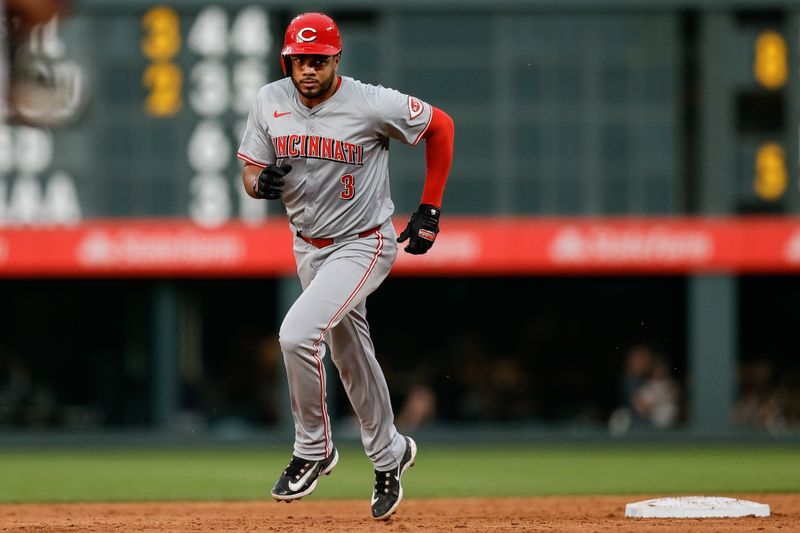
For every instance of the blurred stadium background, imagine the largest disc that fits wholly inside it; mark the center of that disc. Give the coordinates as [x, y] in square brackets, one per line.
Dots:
[620, 247]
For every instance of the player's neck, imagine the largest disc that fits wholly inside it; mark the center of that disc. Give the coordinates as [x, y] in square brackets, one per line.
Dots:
[312, 102]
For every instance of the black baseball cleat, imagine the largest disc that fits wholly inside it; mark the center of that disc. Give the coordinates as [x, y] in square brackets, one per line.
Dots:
[301, 476]
[388, 492]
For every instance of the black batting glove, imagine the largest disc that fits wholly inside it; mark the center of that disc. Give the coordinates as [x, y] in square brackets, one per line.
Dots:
[421, 229]
[269, 184]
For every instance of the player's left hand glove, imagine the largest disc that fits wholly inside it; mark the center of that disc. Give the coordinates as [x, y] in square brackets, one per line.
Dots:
[421, 229]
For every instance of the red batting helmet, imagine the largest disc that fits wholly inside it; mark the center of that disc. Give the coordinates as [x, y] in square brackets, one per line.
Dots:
[311, 33]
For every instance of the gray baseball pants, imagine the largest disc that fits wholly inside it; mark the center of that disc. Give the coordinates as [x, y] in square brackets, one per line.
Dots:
[336, 281]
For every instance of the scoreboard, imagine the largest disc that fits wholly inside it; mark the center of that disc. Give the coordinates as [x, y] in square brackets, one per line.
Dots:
[157, 99]
[763, 87]
[558, 111]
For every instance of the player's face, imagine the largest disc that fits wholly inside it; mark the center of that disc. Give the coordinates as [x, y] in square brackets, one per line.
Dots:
[313, 76]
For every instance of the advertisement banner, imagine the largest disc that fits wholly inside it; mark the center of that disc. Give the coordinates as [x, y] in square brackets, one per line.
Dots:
[466, 246]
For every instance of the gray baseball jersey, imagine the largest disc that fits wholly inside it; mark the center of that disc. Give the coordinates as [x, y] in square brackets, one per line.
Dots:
[337, 189]
[339, 183]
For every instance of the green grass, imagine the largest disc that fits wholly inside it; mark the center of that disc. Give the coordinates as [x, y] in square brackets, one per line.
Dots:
[247, 474]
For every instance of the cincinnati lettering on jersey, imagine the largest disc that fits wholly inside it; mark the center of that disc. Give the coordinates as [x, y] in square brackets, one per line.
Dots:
[316, 147]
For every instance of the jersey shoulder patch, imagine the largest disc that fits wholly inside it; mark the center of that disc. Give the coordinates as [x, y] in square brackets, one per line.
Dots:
[415, 108]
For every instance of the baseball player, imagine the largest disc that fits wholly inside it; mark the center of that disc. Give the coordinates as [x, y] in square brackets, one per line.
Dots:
[319, 142]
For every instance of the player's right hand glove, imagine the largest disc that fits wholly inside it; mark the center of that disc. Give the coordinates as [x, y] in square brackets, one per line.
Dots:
[269, 183]
[421, 229]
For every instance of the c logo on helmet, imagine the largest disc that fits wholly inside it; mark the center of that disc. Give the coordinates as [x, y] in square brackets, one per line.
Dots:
[304, 38]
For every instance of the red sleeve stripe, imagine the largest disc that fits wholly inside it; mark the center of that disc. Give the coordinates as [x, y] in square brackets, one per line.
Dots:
[422, 133]
[248, 160]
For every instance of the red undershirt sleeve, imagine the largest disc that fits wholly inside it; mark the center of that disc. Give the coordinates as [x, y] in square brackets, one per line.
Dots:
[438, 156]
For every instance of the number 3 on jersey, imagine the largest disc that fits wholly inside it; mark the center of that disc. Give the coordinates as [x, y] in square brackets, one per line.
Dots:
[348, 192]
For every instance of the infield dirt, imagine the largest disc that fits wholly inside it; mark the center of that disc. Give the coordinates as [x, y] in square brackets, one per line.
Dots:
[552, 514]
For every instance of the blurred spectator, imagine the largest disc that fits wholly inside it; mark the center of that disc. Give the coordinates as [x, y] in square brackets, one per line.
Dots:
[269, 374]
[23, 401]
[509, 390]
[638, 365]
[764, 401]
[243, 391]
[756, 405]
[657, 400]
[472, 378]
[789, 394]
[460, 380]
[484, 384]
[650, 395]
[418, 409]
[474, 384]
